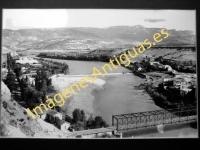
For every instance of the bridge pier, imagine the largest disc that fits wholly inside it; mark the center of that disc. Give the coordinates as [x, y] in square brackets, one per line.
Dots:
[119, 134]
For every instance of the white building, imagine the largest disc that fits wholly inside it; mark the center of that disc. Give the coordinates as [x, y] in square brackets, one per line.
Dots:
[51, 116]
[63, 125]
[154, 62]
[42, 115]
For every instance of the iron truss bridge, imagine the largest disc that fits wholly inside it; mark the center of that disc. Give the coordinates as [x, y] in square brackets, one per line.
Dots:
[153, 118]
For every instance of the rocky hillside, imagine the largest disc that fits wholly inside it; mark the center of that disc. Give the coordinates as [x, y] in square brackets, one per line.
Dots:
[88, 38]
[18, 123]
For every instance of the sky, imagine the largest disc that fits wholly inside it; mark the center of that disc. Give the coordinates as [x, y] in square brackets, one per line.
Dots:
[60, 18]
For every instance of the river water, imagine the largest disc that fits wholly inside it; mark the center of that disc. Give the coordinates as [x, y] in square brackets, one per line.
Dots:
[118, 95]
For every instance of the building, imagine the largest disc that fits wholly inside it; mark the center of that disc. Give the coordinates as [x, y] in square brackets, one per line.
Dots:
[14, 55]
[188, 80]
[42, 115]
[155, 62]
[140, 69]
[177, 82]
[62, 125]
[54, 118]
[183, 83]
[184, 86]
[184, 91]
[51, 116]
[167, 79]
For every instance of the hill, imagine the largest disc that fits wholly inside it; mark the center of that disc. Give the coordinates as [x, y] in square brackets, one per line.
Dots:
[89, 38]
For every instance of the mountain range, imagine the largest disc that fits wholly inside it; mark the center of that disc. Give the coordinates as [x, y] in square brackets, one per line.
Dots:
[89, 38]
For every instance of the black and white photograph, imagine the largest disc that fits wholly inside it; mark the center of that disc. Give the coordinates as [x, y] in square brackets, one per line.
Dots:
[98, 73]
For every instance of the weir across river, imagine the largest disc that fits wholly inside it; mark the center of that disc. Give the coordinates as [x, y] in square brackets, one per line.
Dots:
[141, 120]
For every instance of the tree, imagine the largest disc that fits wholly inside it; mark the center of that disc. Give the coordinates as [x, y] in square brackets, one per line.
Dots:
[32, 97]
[8, 61]
[18, 71]
[50, 87]
[58, 108]
[41, 81]
[83, 118]
[77, 116]
[10, 80]
[49, 82]
[80, 126]
[90, 122]
[43, 89]
[99, 122]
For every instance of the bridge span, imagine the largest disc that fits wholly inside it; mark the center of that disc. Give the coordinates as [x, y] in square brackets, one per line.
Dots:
[141, 120]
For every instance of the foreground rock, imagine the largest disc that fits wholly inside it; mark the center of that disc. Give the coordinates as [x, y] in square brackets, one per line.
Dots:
[18, 123]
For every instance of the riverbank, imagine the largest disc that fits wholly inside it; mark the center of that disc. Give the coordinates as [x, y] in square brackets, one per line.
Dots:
[83, 99]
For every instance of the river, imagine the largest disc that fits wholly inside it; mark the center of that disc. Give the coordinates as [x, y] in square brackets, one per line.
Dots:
[119, 95]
